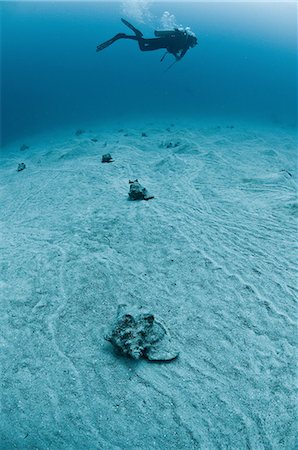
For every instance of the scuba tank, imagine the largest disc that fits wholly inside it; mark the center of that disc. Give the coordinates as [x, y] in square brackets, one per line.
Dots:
[164, 33]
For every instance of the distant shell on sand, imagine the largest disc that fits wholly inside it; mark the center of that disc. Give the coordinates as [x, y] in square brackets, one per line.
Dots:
[21, 166]
[137, 334]
[138, 192]
[24, 147]
[107, 158]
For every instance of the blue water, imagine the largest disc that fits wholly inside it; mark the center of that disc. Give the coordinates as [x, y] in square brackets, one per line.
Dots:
[244, 67]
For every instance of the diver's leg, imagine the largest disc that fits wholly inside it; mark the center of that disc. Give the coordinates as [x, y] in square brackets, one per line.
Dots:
[144, 44]
[110, 41]
[147, 45]
[129, 25]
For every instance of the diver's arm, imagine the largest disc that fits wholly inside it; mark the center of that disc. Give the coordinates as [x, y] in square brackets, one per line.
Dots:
[178, 57]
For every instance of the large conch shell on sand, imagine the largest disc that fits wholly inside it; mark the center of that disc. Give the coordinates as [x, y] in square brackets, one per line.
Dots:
[137, 333]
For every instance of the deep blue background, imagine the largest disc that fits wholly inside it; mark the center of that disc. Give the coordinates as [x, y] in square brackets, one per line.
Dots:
[245, 66]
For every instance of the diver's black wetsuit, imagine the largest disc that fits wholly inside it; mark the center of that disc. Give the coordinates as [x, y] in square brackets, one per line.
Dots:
[176, 42]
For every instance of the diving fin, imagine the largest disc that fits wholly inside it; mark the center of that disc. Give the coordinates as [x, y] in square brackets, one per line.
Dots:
[109, 42]
[129, 25]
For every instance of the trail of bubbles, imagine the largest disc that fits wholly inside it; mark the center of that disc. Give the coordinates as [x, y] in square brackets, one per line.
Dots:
[137, 10]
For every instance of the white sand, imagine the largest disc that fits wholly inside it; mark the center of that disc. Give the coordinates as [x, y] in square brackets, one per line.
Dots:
[213, 255]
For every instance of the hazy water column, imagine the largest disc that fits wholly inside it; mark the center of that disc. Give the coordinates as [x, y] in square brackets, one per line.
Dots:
[244, 66]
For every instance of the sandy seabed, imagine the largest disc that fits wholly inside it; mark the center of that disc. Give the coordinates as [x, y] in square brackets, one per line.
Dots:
[213, 255]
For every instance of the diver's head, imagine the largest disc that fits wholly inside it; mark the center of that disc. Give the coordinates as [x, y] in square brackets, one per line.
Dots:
[192, 38]
[193, 41]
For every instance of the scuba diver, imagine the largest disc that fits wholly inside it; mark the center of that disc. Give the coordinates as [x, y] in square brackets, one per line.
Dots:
[176, 42]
